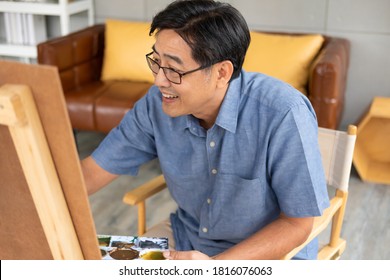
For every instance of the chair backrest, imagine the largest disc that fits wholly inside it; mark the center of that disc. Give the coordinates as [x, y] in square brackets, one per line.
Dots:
[337, 152]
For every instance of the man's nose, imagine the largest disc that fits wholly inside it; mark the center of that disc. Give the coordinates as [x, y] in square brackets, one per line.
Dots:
[160, 79]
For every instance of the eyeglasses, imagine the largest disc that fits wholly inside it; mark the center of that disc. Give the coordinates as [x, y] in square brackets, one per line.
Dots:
[172, 75]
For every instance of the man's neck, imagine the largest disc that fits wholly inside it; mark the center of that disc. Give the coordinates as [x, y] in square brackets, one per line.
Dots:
[206, 124]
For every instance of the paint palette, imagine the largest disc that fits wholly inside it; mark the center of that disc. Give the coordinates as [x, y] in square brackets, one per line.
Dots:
[132, 247]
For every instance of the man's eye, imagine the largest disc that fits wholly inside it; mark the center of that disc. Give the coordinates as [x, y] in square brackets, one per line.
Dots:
[172, 70]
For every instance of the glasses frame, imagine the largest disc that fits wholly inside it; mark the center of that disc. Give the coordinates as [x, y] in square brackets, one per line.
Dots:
[181, 75]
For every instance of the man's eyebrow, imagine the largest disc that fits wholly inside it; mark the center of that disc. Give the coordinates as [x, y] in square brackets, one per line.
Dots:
[174, 58]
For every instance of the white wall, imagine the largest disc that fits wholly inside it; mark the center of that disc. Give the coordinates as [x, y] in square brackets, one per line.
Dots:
[366, 23]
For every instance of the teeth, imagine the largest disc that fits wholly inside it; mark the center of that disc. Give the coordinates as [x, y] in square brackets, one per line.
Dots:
[169, 96]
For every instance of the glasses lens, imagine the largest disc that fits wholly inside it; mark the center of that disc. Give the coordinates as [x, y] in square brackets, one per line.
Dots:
[153, 65]
[172, 75]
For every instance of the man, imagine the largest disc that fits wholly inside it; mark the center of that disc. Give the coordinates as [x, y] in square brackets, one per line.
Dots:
[238, 150]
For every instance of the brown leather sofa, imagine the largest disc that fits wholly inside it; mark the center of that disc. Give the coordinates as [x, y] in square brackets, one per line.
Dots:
[100, 105]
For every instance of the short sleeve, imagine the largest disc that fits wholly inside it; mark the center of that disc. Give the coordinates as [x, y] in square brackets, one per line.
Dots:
[130, 144]
[295, 165]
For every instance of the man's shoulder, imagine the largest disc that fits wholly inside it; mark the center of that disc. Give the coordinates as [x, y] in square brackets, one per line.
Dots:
[270, 92]
[151, 101]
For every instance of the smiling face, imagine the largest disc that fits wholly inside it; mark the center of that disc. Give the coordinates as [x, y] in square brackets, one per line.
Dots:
[200, 93]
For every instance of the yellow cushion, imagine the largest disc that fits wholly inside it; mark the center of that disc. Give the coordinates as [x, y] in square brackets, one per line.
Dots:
[126, 44]
[286, 57]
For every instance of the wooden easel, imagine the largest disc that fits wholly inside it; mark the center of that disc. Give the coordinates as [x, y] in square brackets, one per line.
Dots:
[44, 208]
[18, 112]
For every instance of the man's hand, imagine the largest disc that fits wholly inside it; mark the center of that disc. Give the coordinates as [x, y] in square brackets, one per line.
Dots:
[185, 255]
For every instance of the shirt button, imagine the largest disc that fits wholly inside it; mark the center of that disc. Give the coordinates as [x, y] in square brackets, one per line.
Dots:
[214, 171]
[212, 144]
[204, 229]
[208, 201]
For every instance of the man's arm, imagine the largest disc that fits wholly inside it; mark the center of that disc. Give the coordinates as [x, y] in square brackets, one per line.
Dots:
[272, 242]
[95, 177]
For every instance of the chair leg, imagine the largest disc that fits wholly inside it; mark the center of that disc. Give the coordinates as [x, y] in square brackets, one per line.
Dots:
[141, 218]
[340, 250]
[338, 220]
[332, 252]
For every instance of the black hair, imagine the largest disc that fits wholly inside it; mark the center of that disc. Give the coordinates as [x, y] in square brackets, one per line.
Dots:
[214, 31]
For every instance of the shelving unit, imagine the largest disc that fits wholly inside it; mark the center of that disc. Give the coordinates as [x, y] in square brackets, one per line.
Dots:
[63, 9]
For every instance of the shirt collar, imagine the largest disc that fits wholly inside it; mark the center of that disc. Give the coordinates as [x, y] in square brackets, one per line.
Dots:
[228, 113]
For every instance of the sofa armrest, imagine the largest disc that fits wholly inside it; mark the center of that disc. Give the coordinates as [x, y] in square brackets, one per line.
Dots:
[78, 56]
[327, 81]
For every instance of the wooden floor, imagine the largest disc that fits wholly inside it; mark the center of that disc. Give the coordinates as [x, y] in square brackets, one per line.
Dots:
[366, 227]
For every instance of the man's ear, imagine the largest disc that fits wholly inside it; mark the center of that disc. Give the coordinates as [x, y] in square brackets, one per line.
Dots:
[225, 71]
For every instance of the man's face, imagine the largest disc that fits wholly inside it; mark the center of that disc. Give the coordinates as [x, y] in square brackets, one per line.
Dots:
[197, 93]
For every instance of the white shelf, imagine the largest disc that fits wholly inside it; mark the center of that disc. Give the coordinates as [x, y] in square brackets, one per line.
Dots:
[63, 9]
[18, 50]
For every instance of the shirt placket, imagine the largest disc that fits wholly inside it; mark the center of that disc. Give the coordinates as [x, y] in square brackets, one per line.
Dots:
[212, 148]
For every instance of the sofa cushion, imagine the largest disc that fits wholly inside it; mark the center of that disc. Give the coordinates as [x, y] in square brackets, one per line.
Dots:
[126, 44]
[116, 99]
[81, 104]
[286, 57]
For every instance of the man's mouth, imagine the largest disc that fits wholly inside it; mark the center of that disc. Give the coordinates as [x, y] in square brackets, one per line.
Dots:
[169, 96]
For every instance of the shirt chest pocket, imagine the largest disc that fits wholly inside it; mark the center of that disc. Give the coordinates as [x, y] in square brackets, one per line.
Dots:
[239, 207]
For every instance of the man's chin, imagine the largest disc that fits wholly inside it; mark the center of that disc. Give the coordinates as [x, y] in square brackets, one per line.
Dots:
[171, 113]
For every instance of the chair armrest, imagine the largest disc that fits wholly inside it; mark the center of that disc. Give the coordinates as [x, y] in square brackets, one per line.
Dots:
[320, 223]
[145, 191]
[327, 81]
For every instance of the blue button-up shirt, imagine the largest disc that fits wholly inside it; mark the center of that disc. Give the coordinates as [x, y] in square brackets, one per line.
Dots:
[260, 158]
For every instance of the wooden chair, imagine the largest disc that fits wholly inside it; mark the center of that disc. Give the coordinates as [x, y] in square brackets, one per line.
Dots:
[337, 151]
